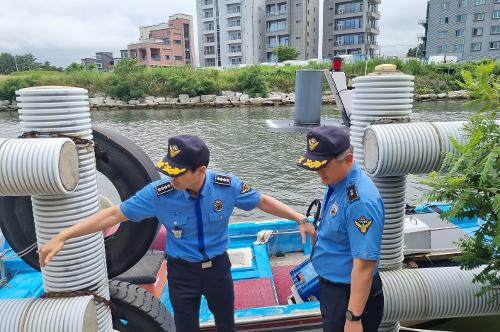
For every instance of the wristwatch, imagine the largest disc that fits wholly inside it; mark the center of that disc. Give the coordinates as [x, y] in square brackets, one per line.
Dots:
[352, 317]
[303, 221]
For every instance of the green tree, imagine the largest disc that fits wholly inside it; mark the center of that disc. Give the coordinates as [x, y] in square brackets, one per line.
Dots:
[27, 62]
[7, 63]
[285, 53]
[470, 179]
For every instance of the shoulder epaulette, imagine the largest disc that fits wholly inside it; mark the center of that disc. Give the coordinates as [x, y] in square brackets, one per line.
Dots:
[164, 188]
[223, 180]
[352, 193]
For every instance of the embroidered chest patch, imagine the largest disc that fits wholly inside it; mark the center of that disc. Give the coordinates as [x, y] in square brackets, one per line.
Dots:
[218, 205]
[223, 180]
[363, 224]
[164, 188]
[334, 209]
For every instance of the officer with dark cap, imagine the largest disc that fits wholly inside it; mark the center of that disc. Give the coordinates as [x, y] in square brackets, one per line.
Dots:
[347, 247]
[194, 204]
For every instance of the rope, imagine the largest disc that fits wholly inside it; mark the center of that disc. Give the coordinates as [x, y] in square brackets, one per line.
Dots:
[77, 140]
[97, 297]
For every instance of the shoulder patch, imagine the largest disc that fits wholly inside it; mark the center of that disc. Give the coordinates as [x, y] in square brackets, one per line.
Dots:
[164, 188]
[363, 224]
[245, 188]
[223, 180]
[352, 193]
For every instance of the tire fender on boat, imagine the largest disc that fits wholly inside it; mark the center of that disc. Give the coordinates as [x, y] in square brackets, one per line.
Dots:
[138, 310]
[129, 169]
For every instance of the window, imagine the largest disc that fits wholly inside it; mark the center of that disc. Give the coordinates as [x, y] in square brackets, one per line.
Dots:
[477, 32]
[443, 20]
[495, 29]
[461, 18]
[236, 61]
[480, 2]
[495, 45]
[233, 9]
[458, 48]
[495, 14]
[275, 26]
[460, 3]
[208, 13]
[208, 2]
[479, 17]
[234, 48]
[210, 38]
[496, 1]
[442, 34]
[177, 42]
[178, 58]
[208, 26]
[234, 35]
[210, 62]
[209, 50]
[475, 47]
[459, 32]
[440, 49]
[233, 22]
[445, 5]
[167, 57]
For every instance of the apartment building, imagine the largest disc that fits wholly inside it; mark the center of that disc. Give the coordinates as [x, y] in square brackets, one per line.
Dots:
[102, 60]
[467, 29]
[293, 23]
[165, 44]
[230, 32]
[350, 27]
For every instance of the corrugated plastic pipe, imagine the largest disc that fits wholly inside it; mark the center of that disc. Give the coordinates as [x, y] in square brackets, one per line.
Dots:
[76, 314]
[38, 166]
[435, 293]
[81, 264]
[384, 96]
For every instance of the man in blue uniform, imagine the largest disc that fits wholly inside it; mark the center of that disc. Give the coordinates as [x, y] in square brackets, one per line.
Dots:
[194, 204]
[347, 247]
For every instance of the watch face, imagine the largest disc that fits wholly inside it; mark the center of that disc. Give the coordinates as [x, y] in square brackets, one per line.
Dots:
[350, 316]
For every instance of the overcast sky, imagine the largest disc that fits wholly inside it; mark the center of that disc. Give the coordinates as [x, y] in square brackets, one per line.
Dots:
[64, 31]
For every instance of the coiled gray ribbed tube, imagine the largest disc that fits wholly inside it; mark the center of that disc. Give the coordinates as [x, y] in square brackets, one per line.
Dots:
[381, 97]
[46, 166]
[81, 264]
[434, 293]
[76, 314]
[401, 149]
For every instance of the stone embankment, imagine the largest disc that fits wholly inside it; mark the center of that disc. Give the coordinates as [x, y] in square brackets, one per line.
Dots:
[227, 99]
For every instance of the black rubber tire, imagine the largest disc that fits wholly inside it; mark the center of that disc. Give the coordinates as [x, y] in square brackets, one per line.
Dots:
[139, 308]
[129, 169]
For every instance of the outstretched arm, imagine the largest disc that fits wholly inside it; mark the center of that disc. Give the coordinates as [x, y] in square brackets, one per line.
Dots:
[94, 223]
[273, 206]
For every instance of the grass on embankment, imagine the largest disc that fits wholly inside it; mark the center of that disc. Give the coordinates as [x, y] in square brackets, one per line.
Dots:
[130, 80]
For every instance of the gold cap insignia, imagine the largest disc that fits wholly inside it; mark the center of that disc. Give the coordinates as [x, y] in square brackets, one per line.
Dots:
[313, 143]
[173, 150]
[165, 167]
[245, 188]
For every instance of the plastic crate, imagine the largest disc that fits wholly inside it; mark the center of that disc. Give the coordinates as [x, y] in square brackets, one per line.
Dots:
[306, 281]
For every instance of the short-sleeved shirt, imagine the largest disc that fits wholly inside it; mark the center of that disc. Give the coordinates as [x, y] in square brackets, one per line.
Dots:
[181, 213]
[351, 226]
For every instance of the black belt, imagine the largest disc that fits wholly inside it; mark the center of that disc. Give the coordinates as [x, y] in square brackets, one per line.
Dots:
[336, 284]
[200, 265]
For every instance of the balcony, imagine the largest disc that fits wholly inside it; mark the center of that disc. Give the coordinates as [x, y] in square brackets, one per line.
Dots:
[374, 14]
[423, 22]
[276, 13]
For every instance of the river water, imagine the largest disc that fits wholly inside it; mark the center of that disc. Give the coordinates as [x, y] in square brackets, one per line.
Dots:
[240, 143]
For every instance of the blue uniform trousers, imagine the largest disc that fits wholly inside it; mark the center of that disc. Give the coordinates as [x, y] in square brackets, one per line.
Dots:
[335, 299]
[187, 281]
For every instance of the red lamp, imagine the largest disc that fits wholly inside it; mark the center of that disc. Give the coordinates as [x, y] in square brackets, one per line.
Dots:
[336, 64]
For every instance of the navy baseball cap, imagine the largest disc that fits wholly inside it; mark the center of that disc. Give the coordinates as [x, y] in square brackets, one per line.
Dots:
[185, 152]
[324, 144]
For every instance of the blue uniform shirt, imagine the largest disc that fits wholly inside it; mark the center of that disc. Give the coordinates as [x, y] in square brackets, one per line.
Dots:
[181, 214]
[351, 226]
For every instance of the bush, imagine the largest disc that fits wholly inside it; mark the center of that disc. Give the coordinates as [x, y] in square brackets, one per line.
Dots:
[250, 80]
[8, 87]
